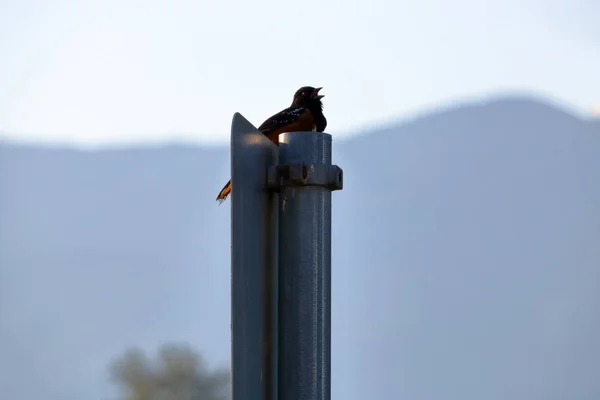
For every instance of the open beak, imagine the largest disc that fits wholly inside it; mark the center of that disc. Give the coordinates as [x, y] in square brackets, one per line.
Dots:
[316, 93]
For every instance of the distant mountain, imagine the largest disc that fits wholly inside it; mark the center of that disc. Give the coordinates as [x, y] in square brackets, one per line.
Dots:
[466, 259]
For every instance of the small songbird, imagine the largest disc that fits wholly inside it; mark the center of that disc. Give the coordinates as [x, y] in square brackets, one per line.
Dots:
[305, 114]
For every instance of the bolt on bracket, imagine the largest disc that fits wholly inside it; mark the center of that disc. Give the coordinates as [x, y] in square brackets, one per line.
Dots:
[305, 174]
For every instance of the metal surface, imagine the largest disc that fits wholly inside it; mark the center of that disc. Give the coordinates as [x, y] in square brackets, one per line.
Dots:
[304, 274]
[253, 264]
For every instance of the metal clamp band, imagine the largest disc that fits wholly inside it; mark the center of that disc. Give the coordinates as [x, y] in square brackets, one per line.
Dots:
[305, 174]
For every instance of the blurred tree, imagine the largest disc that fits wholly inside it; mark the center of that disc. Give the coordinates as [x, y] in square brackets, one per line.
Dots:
[178, 373]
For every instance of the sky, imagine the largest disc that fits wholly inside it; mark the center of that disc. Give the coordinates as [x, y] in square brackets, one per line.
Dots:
[119, 71]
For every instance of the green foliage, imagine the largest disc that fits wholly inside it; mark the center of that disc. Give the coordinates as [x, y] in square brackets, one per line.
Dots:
[177, 373]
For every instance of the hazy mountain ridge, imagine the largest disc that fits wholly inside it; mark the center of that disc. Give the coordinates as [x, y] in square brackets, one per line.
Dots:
[465, 254]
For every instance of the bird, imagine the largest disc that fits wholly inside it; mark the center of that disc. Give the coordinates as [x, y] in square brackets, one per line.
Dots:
[304, 114]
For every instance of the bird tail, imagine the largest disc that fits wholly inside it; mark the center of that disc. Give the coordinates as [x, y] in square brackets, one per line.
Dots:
[224, 192]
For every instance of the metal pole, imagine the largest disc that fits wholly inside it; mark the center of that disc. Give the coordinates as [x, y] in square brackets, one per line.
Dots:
[253, 264]
[305, 178]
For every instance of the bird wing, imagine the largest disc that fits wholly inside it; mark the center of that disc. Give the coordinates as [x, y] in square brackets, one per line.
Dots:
[286, 118]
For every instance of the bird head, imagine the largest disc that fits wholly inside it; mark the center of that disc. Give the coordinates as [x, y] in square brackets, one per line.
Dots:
[307, 93]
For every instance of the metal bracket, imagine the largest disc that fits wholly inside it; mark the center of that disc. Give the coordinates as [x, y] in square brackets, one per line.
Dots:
[305, 174]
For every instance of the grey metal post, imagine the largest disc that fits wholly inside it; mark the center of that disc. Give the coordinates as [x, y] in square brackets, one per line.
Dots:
[305, 178]
[253, 264]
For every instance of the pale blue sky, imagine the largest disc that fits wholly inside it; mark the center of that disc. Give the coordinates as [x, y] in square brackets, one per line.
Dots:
[126, 70]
